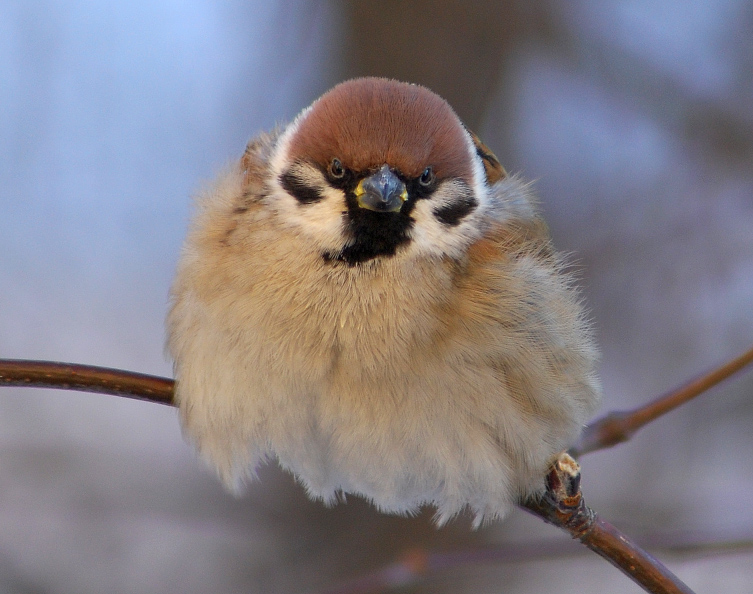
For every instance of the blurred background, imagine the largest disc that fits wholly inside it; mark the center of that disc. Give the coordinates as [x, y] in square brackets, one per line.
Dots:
[634, 117]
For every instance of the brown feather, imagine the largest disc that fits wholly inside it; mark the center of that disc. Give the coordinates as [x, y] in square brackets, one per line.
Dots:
[398, 123]
[492, 167]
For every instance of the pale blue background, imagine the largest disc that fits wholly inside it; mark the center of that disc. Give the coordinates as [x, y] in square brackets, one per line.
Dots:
[111, 115]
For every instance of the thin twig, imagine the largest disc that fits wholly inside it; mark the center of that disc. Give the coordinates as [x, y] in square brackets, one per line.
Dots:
[86, 378]
[614, 428]
[563, 506]
[619, 426]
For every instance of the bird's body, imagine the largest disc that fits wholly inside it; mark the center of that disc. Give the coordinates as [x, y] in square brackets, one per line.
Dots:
[402, 332]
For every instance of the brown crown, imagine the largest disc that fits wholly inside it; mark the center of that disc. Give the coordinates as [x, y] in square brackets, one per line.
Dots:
[367, 122]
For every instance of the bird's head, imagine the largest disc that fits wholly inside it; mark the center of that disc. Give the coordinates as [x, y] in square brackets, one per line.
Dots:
[376, 167]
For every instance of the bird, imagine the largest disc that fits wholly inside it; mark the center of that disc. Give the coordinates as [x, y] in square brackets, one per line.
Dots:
[367, 298]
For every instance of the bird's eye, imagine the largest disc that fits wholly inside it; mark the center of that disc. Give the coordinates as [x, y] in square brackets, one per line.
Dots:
[336, 169]
[427, 177]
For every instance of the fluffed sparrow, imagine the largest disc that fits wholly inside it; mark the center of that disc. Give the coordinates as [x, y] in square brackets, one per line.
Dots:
[367, 297]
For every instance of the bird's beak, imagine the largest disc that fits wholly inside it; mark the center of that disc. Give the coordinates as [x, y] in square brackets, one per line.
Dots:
[381, 192]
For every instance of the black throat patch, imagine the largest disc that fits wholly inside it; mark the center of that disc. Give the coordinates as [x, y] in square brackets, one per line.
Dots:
[372, 234]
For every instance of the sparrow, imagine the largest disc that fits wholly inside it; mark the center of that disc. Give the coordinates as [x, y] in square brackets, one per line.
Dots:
[367, 297]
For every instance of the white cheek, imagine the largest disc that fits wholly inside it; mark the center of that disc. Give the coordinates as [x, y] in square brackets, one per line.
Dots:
[431, 237]
[322, 222]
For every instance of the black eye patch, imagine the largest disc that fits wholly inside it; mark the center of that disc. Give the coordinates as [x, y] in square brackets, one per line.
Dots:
[463, 205]
[299, 189]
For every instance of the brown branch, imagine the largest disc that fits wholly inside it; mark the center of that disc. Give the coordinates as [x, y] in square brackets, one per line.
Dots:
[614, 428]
[86, 378]
[619, 426]
[563, 506]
